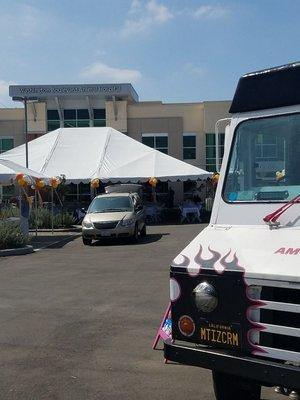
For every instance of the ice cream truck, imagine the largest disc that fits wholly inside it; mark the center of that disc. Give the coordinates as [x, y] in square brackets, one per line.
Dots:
[235, 289]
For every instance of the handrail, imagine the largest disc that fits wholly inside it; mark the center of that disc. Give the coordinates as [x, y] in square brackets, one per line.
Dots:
[217, 141]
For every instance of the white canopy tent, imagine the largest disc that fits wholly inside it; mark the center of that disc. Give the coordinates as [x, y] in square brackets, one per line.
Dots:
[9, 170]
[82, 154]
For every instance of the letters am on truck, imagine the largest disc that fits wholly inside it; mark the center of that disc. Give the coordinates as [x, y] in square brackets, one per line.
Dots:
[235, 289]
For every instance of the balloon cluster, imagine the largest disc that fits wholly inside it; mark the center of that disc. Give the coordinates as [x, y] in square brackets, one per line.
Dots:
[152, 181]
[95, 183]
[38, 184]
[215, 177]
[22, 180]
[280, 175]
[54, 182]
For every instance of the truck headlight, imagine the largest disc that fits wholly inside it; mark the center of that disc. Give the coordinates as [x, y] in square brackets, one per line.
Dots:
[206, 297]
[87, 224]
[128, 222]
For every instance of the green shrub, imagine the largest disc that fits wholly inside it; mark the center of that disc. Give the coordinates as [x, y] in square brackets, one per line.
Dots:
[11, 236]
[42, 219]
[10, 211]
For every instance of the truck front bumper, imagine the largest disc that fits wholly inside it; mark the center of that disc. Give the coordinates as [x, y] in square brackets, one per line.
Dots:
[268, 373]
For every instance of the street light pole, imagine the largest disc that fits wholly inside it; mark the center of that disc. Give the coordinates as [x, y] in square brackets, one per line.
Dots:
[26, 131]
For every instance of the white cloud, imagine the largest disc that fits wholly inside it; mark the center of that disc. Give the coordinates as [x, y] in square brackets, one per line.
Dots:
[106, 74]
[209, 12]
[30, 20]
[5, 100]
[135, 6]
[143, 16]
[159, 12]
[22, 22]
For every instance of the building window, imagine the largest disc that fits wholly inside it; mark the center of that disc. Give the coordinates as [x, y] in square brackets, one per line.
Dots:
[76, 118]
[158, 141]
[266, 147]
[83, 118]
[99, 116]
[53, 121]
[189, 146]
[211, 150]
[6, 144]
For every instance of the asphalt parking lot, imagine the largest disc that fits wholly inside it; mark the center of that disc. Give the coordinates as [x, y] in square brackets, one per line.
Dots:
[78, 322]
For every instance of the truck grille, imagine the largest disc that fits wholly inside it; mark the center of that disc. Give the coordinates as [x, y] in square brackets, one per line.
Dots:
[106, 225]
[277, 314]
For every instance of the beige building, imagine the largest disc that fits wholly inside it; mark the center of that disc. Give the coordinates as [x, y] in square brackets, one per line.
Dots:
[11, 128]
[182, 130]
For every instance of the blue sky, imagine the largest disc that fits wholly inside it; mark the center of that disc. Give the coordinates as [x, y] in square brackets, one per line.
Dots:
[170, 50]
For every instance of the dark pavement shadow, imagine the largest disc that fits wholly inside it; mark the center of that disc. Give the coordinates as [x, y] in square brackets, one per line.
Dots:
[150, 238]
[51, 241]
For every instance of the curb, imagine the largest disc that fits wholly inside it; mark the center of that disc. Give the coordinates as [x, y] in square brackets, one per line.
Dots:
[17, 252]
[72, 229]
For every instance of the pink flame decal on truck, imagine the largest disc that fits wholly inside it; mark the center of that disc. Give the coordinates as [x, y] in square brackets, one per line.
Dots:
[207, 263]
[233, 266]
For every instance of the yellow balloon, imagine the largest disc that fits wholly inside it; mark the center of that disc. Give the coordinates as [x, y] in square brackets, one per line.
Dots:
[22, 182]
[40, 184]
[152, 181]
[54, 182]
[95, 183]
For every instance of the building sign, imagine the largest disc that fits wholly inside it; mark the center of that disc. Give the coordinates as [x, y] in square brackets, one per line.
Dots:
[45, 91]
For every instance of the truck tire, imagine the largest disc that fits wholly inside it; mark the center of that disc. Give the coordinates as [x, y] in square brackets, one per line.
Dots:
[86, 241]
[135, 236]
[144, 231]
[229, 387]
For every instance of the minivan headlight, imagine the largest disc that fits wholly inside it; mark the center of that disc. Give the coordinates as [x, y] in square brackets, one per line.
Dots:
[206, 297]
[128, 222]
[87, 224]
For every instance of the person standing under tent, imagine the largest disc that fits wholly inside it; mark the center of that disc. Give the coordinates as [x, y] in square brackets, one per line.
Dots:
[171, 195]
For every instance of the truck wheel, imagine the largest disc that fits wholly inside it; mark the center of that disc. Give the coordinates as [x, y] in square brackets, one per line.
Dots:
[135, 236]
[229, 387]
[86, 241]
[144, 231]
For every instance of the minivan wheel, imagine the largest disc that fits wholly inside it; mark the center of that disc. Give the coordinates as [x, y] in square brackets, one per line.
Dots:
[135, 236]
[228, 387]
[144, 231]
[86, 241]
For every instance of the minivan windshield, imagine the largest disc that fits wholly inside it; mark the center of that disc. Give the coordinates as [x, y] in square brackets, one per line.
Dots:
[264, 161]
[111, 204]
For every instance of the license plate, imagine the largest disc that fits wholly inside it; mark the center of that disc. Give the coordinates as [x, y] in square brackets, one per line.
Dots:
[220, 335]
[105, 234]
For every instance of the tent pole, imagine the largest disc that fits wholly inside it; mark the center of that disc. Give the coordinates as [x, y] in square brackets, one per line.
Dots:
[52, 209]
[20, 202]
[60, 202]
[77, 194]
[36, 210]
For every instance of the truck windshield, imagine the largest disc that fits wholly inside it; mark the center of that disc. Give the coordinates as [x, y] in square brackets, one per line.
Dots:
[265, 160]
[111, 204]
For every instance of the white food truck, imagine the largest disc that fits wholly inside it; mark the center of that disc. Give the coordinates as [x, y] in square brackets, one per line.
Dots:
[235, 289]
